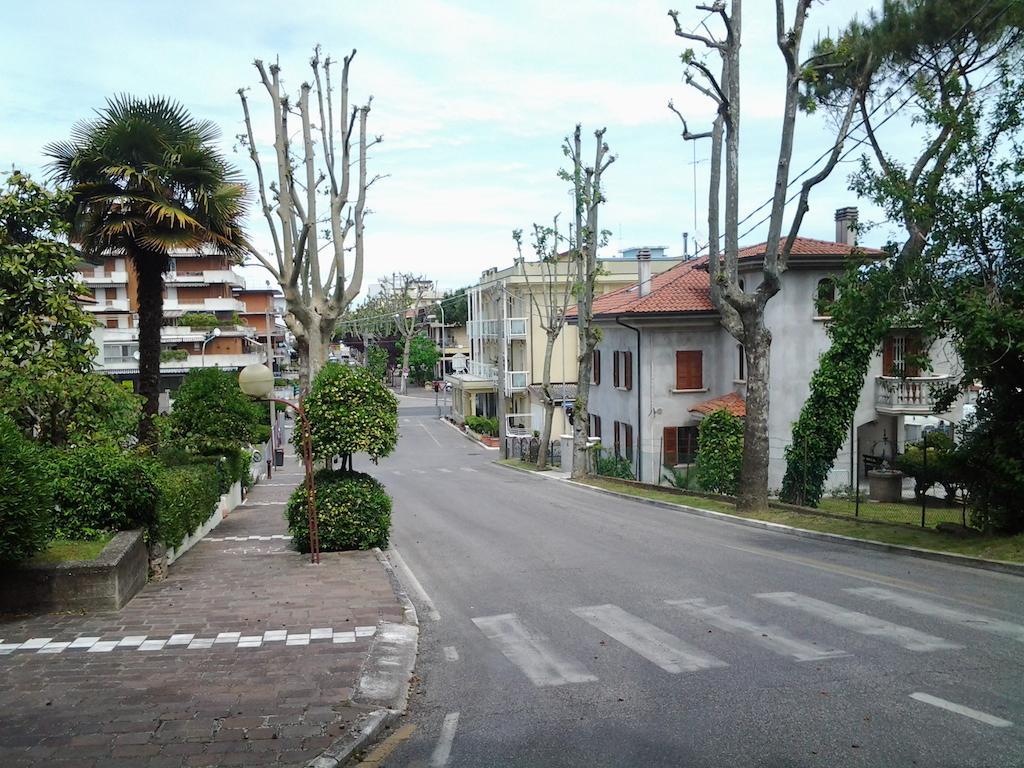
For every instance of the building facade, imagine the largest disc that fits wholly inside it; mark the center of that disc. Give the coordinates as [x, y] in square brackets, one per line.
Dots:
[664, 361]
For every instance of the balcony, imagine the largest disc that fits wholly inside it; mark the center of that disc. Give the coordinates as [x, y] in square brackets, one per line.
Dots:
[108, 305]
[110, 278]
[206, 305]
[119, 363]
[516, 381]
[516, 327]
[205, 277]
[482, 370]
[483, 329]
[911, 395]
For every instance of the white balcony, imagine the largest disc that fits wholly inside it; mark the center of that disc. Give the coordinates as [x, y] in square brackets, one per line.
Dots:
[482, 370]
[107, 305]
[516, 381]
[116, 363]
[205, 277]
[206, 305]
[911, 395]
[516, 327]
[483, 329]
[110, 278]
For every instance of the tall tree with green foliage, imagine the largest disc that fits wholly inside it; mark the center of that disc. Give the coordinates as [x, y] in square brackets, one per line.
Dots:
[423, 357]
[931, 55]
[146, 179]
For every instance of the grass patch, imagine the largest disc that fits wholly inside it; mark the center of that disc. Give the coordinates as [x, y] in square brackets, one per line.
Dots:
[893, 512]
[1008, 548]
[522, 465]
[60, 550]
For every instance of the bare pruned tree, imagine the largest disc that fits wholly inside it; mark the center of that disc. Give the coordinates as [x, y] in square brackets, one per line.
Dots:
[314, 202]
[588, 194]
[742, 314]
[550, 293]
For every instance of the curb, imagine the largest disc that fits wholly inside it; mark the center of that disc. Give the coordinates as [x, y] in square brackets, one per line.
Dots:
[384, 680]
[472, 440]
[997, 566]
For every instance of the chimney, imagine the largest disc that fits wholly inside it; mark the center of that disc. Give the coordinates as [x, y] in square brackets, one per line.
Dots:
[643, 270]
[846, 225]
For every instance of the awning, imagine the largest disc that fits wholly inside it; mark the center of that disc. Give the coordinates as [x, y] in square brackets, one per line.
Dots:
[731, 402]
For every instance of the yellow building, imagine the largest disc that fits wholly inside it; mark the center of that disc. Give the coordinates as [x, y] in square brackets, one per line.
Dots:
[506, 341]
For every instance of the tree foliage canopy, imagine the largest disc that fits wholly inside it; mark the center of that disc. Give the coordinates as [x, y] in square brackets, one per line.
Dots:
[351, 411]
[209, 406]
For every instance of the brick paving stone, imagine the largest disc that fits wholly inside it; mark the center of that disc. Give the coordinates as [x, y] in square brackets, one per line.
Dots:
[275, 704]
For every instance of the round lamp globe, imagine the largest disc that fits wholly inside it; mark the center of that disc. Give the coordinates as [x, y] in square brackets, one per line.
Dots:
[256, 380]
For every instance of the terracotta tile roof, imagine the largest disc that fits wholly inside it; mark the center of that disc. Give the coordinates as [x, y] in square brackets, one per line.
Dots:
[731, 402]
[685, 288]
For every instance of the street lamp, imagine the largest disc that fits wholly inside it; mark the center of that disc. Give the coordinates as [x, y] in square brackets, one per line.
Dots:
[444, 343]
[257, 380]
[213, 335]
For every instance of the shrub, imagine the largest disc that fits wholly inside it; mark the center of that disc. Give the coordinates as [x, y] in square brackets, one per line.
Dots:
[229, 462]
[24, 497]
[209, 406]
[350, 411]
[483, 425]
[173, 355]
[720, 452]
[353, 512]
[941, 466]
[377, 361]
[188, 496]
[610, 465]
[199, 320]
[684, 479]
[98, 489]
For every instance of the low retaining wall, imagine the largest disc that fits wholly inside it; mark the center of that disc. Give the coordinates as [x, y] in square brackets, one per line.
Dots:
[106, 583]
[227, 503]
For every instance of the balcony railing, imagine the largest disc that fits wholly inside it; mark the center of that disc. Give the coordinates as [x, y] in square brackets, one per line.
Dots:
[108, 305]
[109, 278]
[516, 381]
[205, 277]
[483, 370]
[515, 328]
[911, 395]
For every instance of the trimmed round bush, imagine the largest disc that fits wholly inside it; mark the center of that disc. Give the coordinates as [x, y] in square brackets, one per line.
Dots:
[98, 490]
[351, 411]
[24, 497]
[353, 512]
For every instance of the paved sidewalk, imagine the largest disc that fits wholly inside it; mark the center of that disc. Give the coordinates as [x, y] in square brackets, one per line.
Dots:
[245, 655]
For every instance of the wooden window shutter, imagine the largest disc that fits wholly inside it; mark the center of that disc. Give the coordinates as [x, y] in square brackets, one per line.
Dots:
[689, 369]
[628, 365]
[629, 441]
[887, 356]
[668, 438]
[618, 443]
[615, 368]
[911, 352]
[597, 427]
[595, 375]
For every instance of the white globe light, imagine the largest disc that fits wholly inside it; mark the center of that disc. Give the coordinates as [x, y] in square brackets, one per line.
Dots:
[256, 380]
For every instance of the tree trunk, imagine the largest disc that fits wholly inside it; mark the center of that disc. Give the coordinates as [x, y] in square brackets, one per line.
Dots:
[549, 403]
[149, 268]
[405, 363]
[753, 486]
[580, 428]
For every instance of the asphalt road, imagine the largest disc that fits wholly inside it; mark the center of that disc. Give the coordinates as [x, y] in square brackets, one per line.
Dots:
[563, 627]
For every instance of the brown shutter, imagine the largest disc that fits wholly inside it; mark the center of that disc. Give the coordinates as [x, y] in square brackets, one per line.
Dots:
[629, 441]
[911, 351]
[617, 443]
[615, 369]
[887, 356]
[595, 376]
[680, 370]
[597, 427]
[689, 370]
[668, 439]
[628, 356]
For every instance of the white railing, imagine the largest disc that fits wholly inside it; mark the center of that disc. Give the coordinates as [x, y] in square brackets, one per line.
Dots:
[512, 419]
[516, 381]
[105, 279]
[205, 277]
[108, 305]
[515, 327]
[217, 304]
[914, 394]
[483, 329]
[483, 370]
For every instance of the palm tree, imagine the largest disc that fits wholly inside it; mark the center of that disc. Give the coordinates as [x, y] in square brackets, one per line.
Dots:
[147, 180]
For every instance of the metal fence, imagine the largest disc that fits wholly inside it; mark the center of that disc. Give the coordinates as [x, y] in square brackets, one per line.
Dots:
[528, 449]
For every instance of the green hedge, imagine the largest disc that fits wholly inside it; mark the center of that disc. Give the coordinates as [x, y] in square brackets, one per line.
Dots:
[98, 489]
[719, 452]
[353, 512]
[483, 425]
[188, 497]
[24, 497]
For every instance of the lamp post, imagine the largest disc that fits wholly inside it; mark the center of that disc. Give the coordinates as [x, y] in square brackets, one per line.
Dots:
[270, 364]
[213, 335]
[257, 380]
[444, 344]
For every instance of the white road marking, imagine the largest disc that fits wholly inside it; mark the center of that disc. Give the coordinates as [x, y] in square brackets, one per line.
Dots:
[939, 611]
[397, 472]
[414, 584]
[450, 653]
[431, 434]
[443, 750]
[960, 709]
[468, 469]
[653, 643]
[531, 652]
[419, 472]
[769, 636]
[862, 623]
[443, 469]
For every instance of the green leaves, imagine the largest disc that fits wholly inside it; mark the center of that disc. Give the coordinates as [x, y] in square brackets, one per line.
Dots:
[209, 406]
[719, 452]
[353, 512]
[423, 356]
[351, 411]
[24, 497]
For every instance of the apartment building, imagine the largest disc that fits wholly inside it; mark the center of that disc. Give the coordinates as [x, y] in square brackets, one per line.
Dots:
[203, 317]
[506, 341]
[664, 361]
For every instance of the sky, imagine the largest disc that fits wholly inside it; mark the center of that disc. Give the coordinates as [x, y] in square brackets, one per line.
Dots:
[473, 101]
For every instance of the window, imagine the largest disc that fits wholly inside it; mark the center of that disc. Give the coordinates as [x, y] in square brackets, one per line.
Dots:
[624, 440]
[825, 297]
[680, 445]
[741, 363]
[622, 370]
[595, 370]
[689, 369]
[595, 426]
[899, 353]
[111, 322]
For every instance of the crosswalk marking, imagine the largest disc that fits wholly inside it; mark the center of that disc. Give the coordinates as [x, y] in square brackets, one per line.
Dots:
[862, 623]
[443, 469]
[468, 469]
[937, 611]
[396, 472]
[531, 652]
[769, 636]
[960, 709]
[419, 472]
[653, 643]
